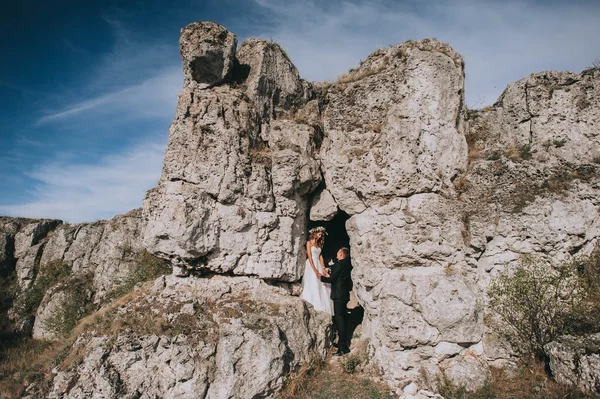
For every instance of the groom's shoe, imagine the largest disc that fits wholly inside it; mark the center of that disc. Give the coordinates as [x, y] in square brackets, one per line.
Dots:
[341, 352]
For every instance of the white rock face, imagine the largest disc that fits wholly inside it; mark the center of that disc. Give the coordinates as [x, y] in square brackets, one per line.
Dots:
[575, 361]
[226, 338]
[100, 256]
[208, 53]
[394, 141]
[323, 206]
[395, 129]
[233, 195]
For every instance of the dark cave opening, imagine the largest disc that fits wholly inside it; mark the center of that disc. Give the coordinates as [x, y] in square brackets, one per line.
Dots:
[336, 238]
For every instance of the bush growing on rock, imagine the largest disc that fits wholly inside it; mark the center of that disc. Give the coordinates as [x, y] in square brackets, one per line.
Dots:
[51, 274]
[145, 267]
[74, 302]
[538, 301]
[8, 288]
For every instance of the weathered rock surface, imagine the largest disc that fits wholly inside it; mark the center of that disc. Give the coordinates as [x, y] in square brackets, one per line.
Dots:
[273, 82]
[323, 206]
[396, 127]
[233, 196]
[208, 53]
[62, 258]
[575, 361]
[532, 182]
[221, 337]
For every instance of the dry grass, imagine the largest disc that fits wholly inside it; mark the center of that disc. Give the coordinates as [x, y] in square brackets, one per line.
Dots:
[261, 154]
[529, 382]
[18, 357]
[561, 181]
[461, 184]
[475, 140]
[323, 380]
[24, 360]
[354, 76]
[513, 153]
[475, 152]
[375, 127]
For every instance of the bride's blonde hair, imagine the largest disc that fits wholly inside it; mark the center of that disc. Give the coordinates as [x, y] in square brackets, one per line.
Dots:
[313, 234]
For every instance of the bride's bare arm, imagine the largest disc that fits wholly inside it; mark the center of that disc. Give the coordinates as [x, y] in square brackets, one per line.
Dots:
[310, 259]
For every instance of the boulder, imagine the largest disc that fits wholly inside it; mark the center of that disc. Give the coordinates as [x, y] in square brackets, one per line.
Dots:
[323, 206]
[221, 337]
[208, 53]
[468, 372]
[575, 361]
[234, 192]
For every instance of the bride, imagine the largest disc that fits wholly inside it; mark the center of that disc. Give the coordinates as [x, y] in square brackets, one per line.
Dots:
[313, 290]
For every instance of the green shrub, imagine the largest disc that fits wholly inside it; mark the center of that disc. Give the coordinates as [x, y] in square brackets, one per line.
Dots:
[145, 267]
[51, 274]
[559, 143]
[8, 290]
[539, 301]
[525, 152]
[78, 305]
[494, 156]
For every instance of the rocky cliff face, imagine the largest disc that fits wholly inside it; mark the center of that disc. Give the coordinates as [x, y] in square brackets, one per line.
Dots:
[194, 338]
[233, 196]
[246, 155]
[440, 199]
[532, 182]
[51, 258]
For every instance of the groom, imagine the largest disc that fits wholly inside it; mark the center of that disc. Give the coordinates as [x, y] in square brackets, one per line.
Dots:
[341, 285]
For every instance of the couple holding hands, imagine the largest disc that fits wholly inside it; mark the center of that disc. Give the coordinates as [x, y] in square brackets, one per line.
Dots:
[328, 292]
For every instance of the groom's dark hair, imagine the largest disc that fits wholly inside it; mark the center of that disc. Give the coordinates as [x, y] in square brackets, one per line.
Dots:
[345, 251]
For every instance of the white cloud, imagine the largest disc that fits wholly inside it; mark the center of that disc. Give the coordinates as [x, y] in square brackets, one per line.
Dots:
[501, 41]
[84, 192]
[154, 97]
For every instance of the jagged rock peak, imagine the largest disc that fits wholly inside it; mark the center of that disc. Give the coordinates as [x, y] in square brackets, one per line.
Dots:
[273, 80]
[208, 53]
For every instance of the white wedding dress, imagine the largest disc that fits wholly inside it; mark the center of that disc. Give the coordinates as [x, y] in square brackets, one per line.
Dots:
[314, 291]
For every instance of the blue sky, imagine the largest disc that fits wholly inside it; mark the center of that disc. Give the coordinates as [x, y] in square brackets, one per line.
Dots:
[88, 88]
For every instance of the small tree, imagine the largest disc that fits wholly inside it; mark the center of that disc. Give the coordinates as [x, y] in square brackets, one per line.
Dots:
[538, 301]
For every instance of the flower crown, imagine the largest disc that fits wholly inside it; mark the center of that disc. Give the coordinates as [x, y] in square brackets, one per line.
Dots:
[319, 229]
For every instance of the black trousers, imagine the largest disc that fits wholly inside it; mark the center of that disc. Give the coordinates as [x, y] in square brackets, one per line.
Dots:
[339, 319]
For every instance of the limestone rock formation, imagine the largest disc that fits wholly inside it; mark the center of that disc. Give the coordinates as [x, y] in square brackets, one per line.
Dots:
[440, 200]
[65, 270]
[233, 195]
[532, 182]
[244, 159]
[221, 337]
[575, 361]
[208, 53]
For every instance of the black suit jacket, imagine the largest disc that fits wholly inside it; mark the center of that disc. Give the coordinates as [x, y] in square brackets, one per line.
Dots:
[340, 279]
